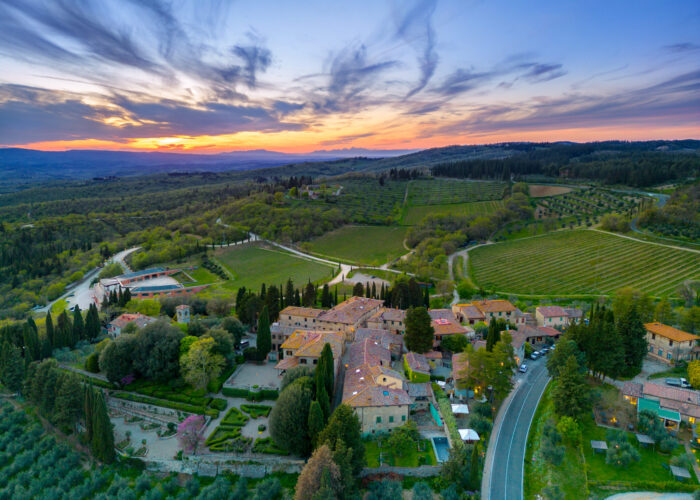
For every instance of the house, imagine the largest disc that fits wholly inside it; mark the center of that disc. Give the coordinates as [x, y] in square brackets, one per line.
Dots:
[669, 344]
[349, 315]
[417, 367]
[304, 347]
[553, 316]
[299, 317]
[498, 309]
[447, 314]
[115, 327]
[420, 394]
[573, 315]
[386, 339]
[684, 402]
[279, 334]
[389, 319]
[468, 313]
[518, 342]
[445, 327]
[537, 335]
[374, 391]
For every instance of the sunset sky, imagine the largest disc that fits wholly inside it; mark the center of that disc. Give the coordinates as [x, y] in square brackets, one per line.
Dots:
[288, 76]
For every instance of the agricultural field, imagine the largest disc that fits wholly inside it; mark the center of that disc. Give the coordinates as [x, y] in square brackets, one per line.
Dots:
[542, 190]
[370, 245]
[414, 214]
[586, 203]
[581, 262]
[444, 191]
[253, 265]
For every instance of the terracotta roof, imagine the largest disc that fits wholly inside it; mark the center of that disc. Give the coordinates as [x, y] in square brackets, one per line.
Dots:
[373, 395]
[420, 390]
[442, 314]
[447, 327]
[351, 311]
[383, 337]
[417, 362]
[573, 312]
[287, 363]
[672, 393]
[469, 311]
[182, 306]
[632, 389]
[310, 343]
[669, 332]
[519, 339]
[141, 320]
[491, 306]
[389, 314]
[551, 311]
[305, 312]
[367, 351]
[538, 331]
[433, 355]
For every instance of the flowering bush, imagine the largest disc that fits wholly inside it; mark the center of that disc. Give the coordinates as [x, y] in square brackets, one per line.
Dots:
[189, 433]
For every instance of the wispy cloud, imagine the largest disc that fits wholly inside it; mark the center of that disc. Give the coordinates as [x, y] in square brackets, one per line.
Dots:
[414, 25]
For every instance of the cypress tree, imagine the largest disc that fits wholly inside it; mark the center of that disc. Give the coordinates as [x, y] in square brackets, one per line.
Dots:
[264, 342]
[326, 363]
[474, 467]
[325, 296]
[31, 342]
[50, 335]
[103, 436]
[289, 293]
[88, 409]
[426, 297]
[335, 300]
[78, 325]
[316, 421]
[323, 401]
[11, 367]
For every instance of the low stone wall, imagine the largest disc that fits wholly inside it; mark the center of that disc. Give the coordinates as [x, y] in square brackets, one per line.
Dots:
[209, 468]
[422, 471]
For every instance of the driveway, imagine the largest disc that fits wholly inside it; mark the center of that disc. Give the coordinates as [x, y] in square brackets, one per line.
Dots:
[505, 458]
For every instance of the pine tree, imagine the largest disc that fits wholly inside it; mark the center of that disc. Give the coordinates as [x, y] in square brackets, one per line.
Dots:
[358, 290]
[103, 436]
[474, 469]
[264, 342]
[92, 323]
[374, 290]
[78, 325]
[297, 298]
[50, 335]
[419, 332]
[633, 339]
[310, 295]
[63, 331]
[316, 421]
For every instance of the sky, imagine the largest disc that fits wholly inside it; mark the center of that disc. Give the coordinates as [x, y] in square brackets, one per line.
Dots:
[224, 75]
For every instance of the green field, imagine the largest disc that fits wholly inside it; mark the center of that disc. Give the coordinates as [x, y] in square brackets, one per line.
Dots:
[370, 245]
[253, 265]
[581, 262]
[414, 214]
[444, 191]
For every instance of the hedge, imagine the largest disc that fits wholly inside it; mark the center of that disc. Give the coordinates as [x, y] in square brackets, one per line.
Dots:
[447, 415]
[235, 417]
[268, 446]
[165, 403]
[218, 404]
[256, 411]
[666, 487]
[265, 394]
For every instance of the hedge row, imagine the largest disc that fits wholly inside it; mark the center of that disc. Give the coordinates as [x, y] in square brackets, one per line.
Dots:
[264, 394]
[190, 397]
[226, 438]
[447, 415]
[666, 487]
[215, 385]
[234, 417]
[268, 446]
[201, 410]
[256, 411]
[218, 404]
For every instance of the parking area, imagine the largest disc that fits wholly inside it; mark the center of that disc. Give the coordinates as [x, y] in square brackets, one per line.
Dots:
[251, 374]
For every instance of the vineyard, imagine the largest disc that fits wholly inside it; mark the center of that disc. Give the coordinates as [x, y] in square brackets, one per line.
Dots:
[586, 203]
[442, 191]
[413, 215]
[581, 262]
[370, 245]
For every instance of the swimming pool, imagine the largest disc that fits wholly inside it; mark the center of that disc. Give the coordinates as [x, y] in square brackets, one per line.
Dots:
[441, 448]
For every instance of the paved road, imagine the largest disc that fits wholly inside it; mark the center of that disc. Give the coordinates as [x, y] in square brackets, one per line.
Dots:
[505, 459]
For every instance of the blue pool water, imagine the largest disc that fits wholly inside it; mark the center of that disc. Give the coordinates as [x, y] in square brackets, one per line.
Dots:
[441, 448]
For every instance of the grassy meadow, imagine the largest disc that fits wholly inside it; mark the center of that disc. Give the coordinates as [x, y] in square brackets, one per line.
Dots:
[370, 245]
[581, 262]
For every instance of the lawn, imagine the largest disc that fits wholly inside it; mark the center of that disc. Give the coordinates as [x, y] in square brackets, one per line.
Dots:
[59, 306]
[253, 265]
[581, 262]
[416, 213]
[200, 275]
[414, 458]
[370, 245]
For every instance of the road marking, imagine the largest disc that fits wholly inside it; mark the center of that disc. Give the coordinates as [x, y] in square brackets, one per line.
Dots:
[522, 473]
[510, 447]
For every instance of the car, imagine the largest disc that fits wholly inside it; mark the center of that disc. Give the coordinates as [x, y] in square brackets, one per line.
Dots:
[678, 382]
[522, 368]
[552, 347]
[535, 355]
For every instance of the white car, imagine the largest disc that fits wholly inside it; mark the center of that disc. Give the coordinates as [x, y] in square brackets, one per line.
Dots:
[523, 368]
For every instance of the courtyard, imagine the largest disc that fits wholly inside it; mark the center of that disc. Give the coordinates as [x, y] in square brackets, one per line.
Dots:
[251, 375]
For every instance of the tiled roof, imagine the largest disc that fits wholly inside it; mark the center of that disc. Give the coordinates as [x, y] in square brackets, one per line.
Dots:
[420, 390]
[538, 331]
[389, 314]
[367, 351]
[373, 395]
[311, 343]
[383, 337]
[307, 312]
[669, 332]
[155, 288]
[491, 306]
[433, 355]
[442, 314]
[632, 389]
[141, 320]
[351, 311]
[287, 363]
[447, 327]
[470, 311]
[519, 339]
[671, 393]
[551, 311]
[417, 362]
[573, 312]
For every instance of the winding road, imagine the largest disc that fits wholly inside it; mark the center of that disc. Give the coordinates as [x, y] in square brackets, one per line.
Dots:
[505, 458]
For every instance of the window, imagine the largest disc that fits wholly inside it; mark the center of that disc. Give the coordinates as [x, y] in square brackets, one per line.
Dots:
[379, 420]
[403, 418]
[668, 356]
[391, 419]
[651, 348]
[661, 352]
[302, 361]
[315, 361]
[653, 336]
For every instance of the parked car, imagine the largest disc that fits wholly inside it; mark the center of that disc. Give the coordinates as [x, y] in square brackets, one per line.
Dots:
[535, 355]
[678, 382]
[523, 368]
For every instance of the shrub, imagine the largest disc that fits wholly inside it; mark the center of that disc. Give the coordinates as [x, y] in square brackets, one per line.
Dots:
[256, 411]
[235, 417]
[92, 363]
[218, 404]
[268, 446]
[694, 374]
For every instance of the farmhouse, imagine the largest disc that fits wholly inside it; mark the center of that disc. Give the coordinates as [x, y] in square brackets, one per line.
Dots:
[669, 344]
[553, 316]
[279, 334]
[468, 313]
[388, 319]
[374, 391]
[304, 347]
[114, 328]
[499, 309]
